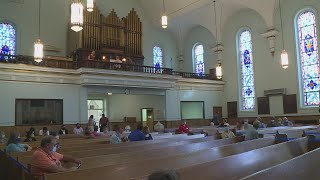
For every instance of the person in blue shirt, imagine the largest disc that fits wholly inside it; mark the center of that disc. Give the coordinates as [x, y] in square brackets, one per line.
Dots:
[14, 145]
[146, 133]
[137, 135]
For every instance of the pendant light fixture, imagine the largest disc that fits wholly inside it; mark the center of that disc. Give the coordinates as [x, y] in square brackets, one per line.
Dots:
[219, 65]
[164, 18]
[38, 46]
[284, 54]
[90, 5]
[76, 15]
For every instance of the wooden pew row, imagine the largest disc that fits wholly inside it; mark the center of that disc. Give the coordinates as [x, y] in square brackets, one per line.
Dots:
[115, 150]
[302, 167]
[246, 163]
[99, 161]
[143, 168]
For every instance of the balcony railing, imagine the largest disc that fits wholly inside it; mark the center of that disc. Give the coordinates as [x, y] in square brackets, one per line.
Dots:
[68, 64]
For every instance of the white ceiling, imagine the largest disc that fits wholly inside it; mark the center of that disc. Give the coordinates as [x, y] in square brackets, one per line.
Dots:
[190, 13]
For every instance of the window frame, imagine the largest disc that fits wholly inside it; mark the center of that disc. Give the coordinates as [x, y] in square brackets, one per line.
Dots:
[13, 24]
[298, 57]
[194, 66]
[239, 71]
[162, 57]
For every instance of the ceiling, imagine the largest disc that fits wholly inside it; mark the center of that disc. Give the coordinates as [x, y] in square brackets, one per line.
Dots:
[186, 14]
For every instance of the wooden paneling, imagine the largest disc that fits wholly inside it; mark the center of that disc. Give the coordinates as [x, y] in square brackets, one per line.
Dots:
[263, 105]
[232, 109]
[289, 104]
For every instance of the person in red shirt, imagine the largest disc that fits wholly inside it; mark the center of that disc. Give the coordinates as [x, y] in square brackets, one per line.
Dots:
[104, 122]
[46, 160]
[184, 128]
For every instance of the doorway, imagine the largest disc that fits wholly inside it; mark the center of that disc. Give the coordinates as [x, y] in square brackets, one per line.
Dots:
[147, 117]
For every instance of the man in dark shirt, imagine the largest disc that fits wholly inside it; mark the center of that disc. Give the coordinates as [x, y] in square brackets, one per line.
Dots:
[137, 135]
[103, 123]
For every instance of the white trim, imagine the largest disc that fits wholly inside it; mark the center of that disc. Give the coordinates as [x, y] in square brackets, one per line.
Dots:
[239, 73]
[297, 44]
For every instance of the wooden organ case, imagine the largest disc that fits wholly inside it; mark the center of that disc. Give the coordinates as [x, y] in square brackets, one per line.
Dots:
[110, 37]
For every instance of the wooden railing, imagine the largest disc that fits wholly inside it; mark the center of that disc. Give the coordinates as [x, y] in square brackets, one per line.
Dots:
[69, 64]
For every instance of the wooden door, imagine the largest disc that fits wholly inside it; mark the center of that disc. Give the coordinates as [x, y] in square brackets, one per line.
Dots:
[232, 109]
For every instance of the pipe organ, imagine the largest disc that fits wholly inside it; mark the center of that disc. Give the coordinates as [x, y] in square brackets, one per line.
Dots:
[109, 37]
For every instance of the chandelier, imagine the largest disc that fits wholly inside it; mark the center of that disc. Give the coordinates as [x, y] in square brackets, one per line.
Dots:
[90, 5]
[38, 46]
[76, 15]
[164, 18]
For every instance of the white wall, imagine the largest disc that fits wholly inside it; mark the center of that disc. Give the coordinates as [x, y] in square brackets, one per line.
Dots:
[200, 35]
[268, 71]
[174, 97]
[55, 17]
[14, 90]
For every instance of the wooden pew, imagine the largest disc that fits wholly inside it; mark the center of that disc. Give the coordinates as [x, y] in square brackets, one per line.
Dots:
[244, 164]
[302, 167]
[142, 168]
[131, 147]
[99, 161]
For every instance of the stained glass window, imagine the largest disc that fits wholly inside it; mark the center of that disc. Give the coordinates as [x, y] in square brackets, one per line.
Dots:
[198, 59]
[248, 101]
[7, 39]
[157, 57]
[308, 55]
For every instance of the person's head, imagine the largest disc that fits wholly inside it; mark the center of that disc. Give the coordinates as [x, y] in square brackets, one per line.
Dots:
[44, 129]
[285, 119]
[118, 129]
[224, 120]
[146, 130]
[258, 118]
[183, 122]
[272, 118]
[103, 115]
[256, 125]
[49, 143]
[164, 175]
[14, 138]
[32, 130]
[279, 119]
[139, 127]
[63, 127]
[78, 125]
[2, 135]
[91, 116]
[93, 53]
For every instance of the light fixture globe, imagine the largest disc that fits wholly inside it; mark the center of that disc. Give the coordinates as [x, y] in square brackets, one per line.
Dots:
[38, 51]
[284, 59]
[219, 71]
[90, 5]
[76, 16]
[164, 21]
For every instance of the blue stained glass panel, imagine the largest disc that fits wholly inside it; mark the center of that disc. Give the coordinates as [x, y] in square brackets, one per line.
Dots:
[198, 59]
[157, 57]
[309, 61]
[7, 39]
[247, 72]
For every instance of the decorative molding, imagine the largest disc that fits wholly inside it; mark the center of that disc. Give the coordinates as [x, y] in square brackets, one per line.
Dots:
[16, 1]
[271, 36]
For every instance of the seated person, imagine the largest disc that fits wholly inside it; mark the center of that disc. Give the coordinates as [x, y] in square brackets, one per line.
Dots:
[117, 137]
[227, 133]
[251, 131]
[14, 145]
[96, 132]
[46, 160]
[164, 175]
[3, 139]
[137, 135]
[224, 123]
[78, 129]
[92, 56]
[146, 133]
[29, 137]
[286, 122]
[184, 128]
[63, 130]
[239, 125]
[32, 132]
[44, 132]
[279, 122]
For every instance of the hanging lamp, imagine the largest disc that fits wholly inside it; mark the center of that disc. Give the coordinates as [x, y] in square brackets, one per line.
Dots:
[76, 15]
[284, 54]
[90, 5]
[164, 18]
[219, 65]
[38, 46]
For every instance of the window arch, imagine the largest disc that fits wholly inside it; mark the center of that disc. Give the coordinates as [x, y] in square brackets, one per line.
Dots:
[308, 57]
[198, 59]
[157, 57]
[246, 78]
[7, 39]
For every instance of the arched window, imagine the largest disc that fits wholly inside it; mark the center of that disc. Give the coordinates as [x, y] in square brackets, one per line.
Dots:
[198, 59]
[157, 57]
[247, 95]
[7, 39]
[307, 49]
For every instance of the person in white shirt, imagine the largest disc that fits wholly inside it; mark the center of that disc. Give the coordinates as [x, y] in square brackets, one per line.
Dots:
[78, 129]
[117, 138]
[44, 132]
